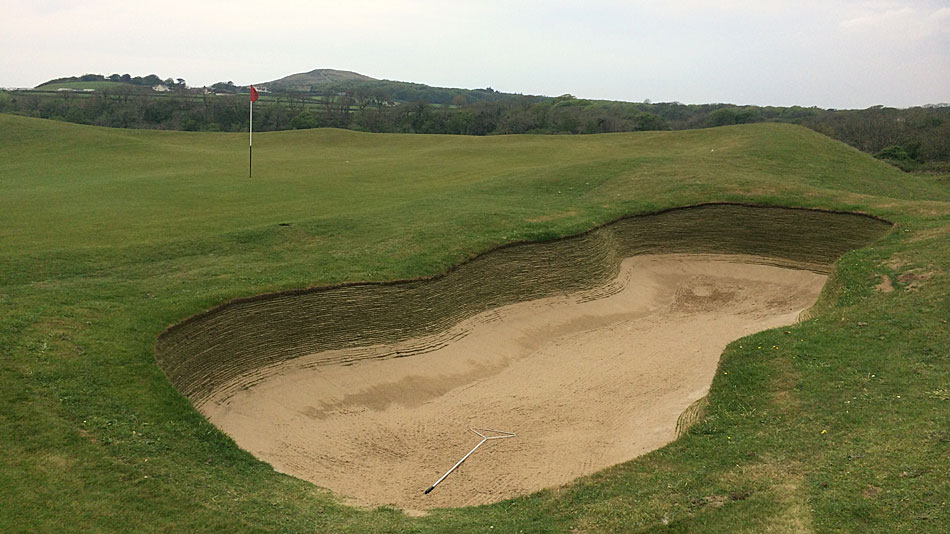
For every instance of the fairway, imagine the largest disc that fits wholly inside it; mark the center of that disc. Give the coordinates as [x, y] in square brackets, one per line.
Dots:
[146, 282]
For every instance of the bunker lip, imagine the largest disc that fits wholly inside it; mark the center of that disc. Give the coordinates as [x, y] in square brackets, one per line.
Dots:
[248, 336]
[586, 380]
[328, 287]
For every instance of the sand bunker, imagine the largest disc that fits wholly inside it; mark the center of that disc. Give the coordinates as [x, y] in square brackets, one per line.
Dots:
[586, 380]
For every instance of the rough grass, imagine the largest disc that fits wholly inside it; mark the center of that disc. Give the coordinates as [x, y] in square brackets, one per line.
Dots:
[109, 236]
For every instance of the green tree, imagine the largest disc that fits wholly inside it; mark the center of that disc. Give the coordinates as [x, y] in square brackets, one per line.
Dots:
[894, 153]
[722, 117]
[649, 121]
[305, 120]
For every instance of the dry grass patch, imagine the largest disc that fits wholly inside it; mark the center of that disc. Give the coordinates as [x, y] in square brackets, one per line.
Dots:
[552, 217]
[782, 482]
[691, 415]
[783, 386]
[885, 286]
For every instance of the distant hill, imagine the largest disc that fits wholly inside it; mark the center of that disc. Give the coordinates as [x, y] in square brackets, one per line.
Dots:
[79, 86]
[330, 81]
[304, 81]
[99, 82]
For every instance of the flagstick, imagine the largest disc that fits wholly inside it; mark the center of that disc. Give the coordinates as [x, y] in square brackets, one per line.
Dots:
[250, 146]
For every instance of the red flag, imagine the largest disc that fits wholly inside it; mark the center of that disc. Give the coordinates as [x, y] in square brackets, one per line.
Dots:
[254, 95]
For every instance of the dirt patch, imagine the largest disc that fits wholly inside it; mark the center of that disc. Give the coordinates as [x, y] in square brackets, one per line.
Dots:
[716, 501]
[914, 276]
[885, 286]
[586, 380]
[914, 279]
[896, 263]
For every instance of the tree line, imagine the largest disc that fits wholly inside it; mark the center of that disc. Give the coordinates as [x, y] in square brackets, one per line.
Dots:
[146, 81]
[914, 139]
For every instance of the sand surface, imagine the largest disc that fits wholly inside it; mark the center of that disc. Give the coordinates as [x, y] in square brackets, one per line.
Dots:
[585, 380]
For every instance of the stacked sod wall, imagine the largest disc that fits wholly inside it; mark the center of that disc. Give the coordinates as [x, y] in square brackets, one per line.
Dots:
[238, 338]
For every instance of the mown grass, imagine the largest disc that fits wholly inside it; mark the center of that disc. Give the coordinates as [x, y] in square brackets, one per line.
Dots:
[108, 236]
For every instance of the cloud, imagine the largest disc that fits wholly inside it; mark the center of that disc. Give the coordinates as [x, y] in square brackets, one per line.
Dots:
[699, 7]
[898, 21]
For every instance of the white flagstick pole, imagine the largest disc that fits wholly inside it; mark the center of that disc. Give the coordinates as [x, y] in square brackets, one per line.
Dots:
[250, 146]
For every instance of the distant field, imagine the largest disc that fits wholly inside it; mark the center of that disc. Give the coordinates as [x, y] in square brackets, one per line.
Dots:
[109, 236]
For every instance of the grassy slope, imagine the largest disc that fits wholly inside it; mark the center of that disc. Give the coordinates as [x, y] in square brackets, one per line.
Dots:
[108, 236]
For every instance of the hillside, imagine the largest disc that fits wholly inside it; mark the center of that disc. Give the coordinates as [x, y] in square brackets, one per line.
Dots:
[330, 81]
[112, 235]
[100, 82]
[96, 85]
[307, 81]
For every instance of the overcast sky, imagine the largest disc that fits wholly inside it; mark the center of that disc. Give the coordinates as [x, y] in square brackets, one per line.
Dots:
[826, 53]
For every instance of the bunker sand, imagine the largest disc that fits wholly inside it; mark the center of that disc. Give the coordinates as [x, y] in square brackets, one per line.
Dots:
[586, 380]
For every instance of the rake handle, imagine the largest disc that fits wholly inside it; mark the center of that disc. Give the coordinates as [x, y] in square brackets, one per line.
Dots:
[432, 487]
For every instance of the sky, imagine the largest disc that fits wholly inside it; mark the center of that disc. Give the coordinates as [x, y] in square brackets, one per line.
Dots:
[845, 54]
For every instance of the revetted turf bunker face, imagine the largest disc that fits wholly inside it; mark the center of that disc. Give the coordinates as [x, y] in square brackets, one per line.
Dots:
[211, 349]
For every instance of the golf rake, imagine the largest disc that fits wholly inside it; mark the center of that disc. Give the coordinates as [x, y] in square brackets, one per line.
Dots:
[480, 432]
